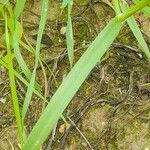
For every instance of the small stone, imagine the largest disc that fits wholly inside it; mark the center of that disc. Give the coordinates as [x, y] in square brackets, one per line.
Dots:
[140, 55]
[3, 100]
[63, 30]
[62, 128]
[83, 43]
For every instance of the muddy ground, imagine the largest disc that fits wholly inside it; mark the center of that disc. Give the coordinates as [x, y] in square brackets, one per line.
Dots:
[111, 110]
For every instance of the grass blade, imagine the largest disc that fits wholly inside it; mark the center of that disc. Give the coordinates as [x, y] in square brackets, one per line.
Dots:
[145, 10]
[19, 8]
[13, 86]
[17, 75]
[136, 31]
[133, 9]
[69, 35]
[65, 3]
[71, 84]
[16, 31]
[37, 53]
[16, 39]
[18, 55]
[116, 7]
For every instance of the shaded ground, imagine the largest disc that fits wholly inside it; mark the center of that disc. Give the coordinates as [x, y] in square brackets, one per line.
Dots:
[111, 110]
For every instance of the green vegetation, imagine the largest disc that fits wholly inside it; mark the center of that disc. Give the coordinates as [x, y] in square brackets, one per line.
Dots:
[79, 71]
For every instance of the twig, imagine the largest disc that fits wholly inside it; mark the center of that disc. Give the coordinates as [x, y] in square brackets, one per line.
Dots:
[82, 135]
[90, 102]
[144, 118]
[80, 113]
[119, 103]
[120, 45]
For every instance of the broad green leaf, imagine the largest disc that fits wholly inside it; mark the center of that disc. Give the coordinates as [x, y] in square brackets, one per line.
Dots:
[71, 84]
[136, 31]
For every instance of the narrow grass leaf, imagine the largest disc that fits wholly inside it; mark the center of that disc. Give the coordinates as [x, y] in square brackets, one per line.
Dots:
[17, 75]
[18, 55]
[16, 39]
[69, 36]
[37, 53]
[13, 85]
[133, 9]
[145, 10]
[17, 31]
[1, 9]
[8, 6]
[65, 3]
[27, 47]
[19, 8]
[136, 31]
[71, 84]
[28, 96]
[116, 6]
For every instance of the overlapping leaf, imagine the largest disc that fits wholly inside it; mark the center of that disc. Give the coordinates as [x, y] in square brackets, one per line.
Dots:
[71, 84]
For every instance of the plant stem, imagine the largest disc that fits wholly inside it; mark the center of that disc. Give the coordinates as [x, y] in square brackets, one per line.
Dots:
[133, 10]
